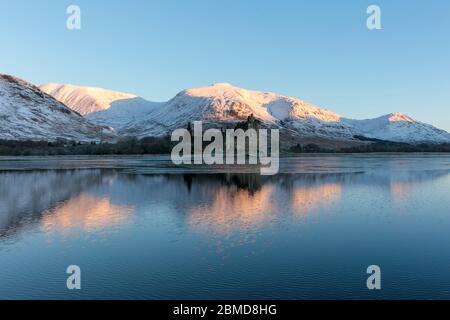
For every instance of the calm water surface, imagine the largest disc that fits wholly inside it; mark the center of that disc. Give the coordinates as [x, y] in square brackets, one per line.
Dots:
[140, 228]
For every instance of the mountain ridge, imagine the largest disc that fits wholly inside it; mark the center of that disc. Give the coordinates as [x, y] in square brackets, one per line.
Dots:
[223, 104]
[84, 100]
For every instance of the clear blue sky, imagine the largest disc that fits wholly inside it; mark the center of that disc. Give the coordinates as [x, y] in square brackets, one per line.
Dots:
[320, 51]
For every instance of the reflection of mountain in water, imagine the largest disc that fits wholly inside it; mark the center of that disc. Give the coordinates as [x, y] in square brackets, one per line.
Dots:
[223, 203]
[305, 199]
[26, 196]
[85, 212]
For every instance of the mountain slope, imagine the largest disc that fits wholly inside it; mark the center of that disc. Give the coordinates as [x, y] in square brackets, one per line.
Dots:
[28, 113]
[399, 128]
[84, 100]
[102, 106]
[122, 112]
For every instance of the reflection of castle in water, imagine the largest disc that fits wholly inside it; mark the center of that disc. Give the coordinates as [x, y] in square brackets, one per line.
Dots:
[233, 202]
[249, 182]
[242, 210]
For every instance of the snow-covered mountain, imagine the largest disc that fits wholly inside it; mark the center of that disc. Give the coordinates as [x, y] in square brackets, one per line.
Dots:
[26, 112]
[222, 104]
[102, 106]
[84, 100]
[400, 128]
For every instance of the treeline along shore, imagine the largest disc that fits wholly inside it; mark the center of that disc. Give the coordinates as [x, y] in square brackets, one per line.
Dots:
[164, 145]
